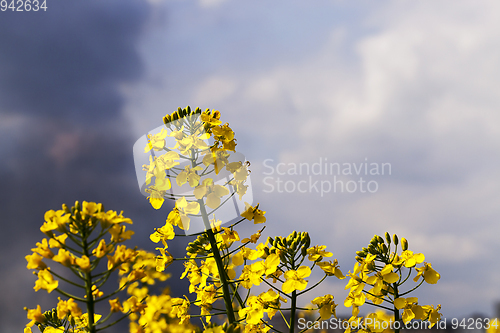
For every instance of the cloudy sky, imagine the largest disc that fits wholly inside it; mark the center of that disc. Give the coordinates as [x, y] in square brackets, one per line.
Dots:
[414, 85]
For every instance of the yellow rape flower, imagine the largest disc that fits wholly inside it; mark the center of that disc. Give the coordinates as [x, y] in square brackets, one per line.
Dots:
[331, 268]
[295, 279]
[219, 158]
[90, 209]
[157, 141]
[54, 220]
[119, 234]
[254, 311]
[35, 315]
[122, 254]
[83, 263]
[43, 249]
[68, 307]
[253, 213]
[386, 275]
[189, 175]
[211, 191]
[225, 135]
[253, 238]
[180, 308]
[132, 304]
[326, 306]
[115, 305]
[190, 142]
[271, 264]
[164, 233]
[411, 259]
[239, 187]
[271, 301]
[229, 236]
[239, 170]
[318, 252]
[429, 274]
[64, 257]
[252, 275]
[101, 250]
[35, 261]
[164, 260]
[209, 119]
[433, 313]
[178, 134]
[56, 241]
[354, 299]
[185, 208]
[409, 305]
[82, 322]
[45, 281]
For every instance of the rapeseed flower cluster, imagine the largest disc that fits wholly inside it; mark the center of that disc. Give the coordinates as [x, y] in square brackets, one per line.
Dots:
[86, 241]
[378, 278]
[221, 266]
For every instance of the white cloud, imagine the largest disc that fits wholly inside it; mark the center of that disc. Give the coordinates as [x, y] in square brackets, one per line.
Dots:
[215, 90]
[416, 88]
[211, 3]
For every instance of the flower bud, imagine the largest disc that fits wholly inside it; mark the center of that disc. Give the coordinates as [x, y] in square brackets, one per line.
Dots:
[388, 238]
[65, 209]
[198, 111]
[404, 244]
[380, 240]
[167, 119]
[372, 249]
[303, 250]
[282, 256]
[187, 111]
[395, 239]
[361, 254]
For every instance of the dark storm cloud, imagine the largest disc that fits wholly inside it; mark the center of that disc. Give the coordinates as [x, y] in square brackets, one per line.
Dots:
[69, 60]
[60, 74]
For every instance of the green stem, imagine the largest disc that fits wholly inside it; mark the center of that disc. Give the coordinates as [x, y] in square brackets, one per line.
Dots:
[293, 310]
[396, 311]
[220, 264]
[88, 284]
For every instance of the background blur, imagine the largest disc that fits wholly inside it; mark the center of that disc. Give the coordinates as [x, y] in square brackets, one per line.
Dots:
[413, 84]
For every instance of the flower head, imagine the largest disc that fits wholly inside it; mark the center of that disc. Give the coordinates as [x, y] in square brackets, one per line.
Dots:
[295, 279]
